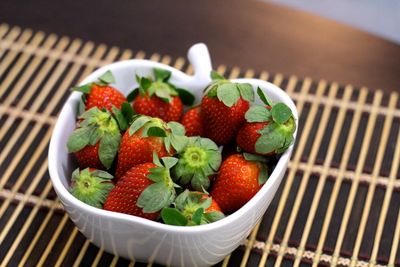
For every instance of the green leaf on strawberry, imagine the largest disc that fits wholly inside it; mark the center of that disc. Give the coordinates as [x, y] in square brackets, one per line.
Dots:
[172, 216]
[138, 123]
[254, 157]
[216, 76]
[91, 186]
[281, 113]
[131, 96]
[197, 216]
[176, 128]
[119, 116]
[160, 87]
[197, 162]
[161, 193]
[169, 162]
[105, 79]
[108, 148]
[191, 208]
[155, 197]
[173, 133]
[81, 105]
[275, 137]
[257, 114]
[263, 168]
[124, 116]
[162, 75]
[156, 131]
[79, 139]
[97, 126]
[278, 126]
[213, 216]
[246, 91]
[264, 98]
[229, 93]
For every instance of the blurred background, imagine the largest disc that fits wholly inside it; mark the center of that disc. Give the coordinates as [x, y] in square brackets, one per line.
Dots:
[347, 41]
[380, 18]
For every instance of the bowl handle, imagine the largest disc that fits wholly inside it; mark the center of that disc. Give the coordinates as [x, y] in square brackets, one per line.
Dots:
[199, 57]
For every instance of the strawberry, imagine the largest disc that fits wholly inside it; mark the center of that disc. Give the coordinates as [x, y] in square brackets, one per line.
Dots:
[268, 130]
[159, 98]
[144, 189]
[192, 208]
[99, 94]
[192, 122]
[91, 186]
[145, 136]
[223, 107]
[239, 179]
[96, 140]
[198, 161]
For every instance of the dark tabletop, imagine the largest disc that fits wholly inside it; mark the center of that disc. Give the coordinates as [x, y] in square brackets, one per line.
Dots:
[248, 34]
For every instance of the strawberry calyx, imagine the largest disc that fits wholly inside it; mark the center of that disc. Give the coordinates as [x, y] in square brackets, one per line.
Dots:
[91, 186]
[197, 162]
[124, 116]
[160, 87]
[277, 134]
[262, 164]
[97, 126]
[190, 210]
[228, 92]
[105, 79]
[173, 133]
[161, 193]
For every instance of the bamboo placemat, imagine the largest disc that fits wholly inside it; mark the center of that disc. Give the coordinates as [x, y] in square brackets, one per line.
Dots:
[338, 205]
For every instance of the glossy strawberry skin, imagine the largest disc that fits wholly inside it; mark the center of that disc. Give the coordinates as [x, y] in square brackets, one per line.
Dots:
[193, 123]
[222, 122]
[89, 157]
[136, 149]
[156, 107]
[104, 97]
[126, 192]
[236, 183]
[248, 135]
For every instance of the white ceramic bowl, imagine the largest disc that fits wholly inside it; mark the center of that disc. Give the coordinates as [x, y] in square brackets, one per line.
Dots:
[144, 240]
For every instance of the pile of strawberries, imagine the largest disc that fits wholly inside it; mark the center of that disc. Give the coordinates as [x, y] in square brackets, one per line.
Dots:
[135, 157]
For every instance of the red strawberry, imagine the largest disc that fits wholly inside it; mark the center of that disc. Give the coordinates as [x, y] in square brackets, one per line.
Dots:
[104, 97]
[91, 186]
[143, 190]
[223, 107]
[100, 94]
[145, 136]
[156, 107]
[96, 140]
[159, 98]
[267, 130]
[192, 208]
[193, 122]
[89, 157]
[239, 179]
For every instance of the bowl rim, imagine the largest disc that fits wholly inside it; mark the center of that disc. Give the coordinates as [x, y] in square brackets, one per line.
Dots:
[64, 194]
